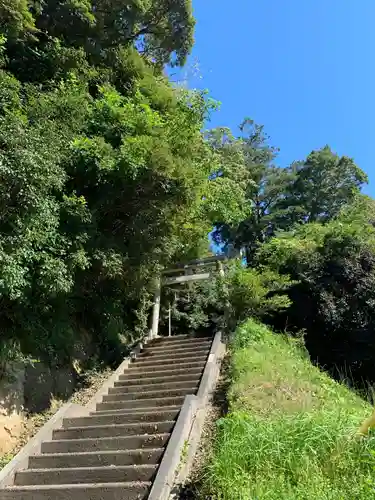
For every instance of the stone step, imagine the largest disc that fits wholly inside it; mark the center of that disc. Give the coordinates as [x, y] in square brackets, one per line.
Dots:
[161, 338]
[140, 403]
[102, 431]
[131, 375]
[102, 444]
[172, 359]
[134, 382]
[148, 362]
[86, 475]
[166, 355]
[118, 417]
[132, 396]
[114, 452]
[136, 411]
[171, 348]
[180, 339]
[96, 459]
[138, 368]
[124, 389]
[106, 491]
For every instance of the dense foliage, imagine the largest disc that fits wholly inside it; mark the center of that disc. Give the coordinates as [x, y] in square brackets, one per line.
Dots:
[107, 177]
[309, 224]
[333, 298]
[105, 174]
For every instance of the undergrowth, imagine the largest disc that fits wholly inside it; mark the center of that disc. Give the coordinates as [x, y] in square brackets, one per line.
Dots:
[290, 430]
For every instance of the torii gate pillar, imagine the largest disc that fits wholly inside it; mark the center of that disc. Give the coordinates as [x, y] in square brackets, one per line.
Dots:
[156, 310]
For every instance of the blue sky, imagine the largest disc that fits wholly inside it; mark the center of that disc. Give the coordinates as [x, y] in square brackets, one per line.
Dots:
[303, 68]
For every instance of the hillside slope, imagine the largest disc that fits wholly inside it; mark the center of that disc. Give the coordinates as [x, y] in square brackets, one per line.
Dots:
[289, 434]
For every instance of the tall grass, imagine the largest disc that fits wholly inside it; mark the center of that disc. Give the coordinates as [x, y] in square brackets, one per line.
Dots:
[290, 432]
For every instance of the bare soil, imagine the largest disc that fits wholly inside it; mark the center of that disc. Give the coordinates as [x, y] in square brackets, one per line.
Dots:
[31, 423]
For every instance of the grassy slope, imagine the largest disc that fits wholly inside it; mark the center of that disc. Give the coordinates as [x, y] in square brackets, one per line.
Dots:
[289, 434]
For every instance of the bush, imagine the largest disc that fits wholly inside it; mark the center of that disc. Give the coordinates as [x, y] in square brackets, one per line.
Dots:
[247, 334]
[256, 293]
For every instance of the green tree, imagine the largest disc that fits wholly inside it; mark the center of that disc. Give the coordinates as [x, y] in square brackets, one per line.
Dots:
[38, 260]
[15, 18]
[161, 29]
[323, 184]
[332, 299]
[69, 34]
[278, 198]
[247, 162]
[269, 190]
[106, 175]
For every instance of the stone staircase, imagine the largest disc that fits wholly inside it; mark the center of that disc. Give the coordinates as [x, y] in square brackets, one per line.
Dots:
[114, 452]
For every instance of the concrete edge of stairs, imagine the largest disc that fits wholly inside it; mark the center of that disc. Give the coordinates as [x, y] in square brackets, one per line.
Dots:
[68, 410]
[110, 382]
[182, 445]
[183, 440]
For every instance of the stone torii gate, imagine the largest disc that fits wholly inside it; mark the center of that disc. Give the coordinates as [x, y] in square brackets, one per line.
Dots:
[180, 274]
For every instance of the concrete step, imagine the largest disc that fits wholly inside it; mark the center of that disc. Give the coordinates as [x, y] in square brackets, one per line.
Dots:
[114, 452]
[131, 396]
[173, 358]
[179, 339]
[166, 348]
[102, 431]
[139, 368]
[161, 338]
[134, 382]
[106, 491]
[103, 444]
[140, 403]
[136, 411]
[132, 375]
[96, 459]
[86, 475]
[165, 355]
[123, 388]
[118, 417]
[148, 362]
[173, 346]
